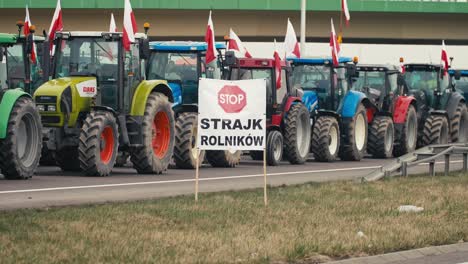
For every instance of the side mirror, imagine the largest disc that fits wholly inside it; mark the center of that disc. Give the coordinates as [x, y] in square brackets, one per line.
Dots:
[230, 58]
[144, 49]
[457, 75]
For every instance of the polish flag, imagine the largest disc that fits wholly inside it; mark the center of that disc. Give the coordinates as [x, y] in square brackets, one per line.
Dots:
[277, 67]
[55, 25]
[402, 68]
[291, 45]
[210, 41]
[26, 32]
[444, 58]
[335, 46]
[235, 44]
[129, 26]
[112, 26]
[344, 8]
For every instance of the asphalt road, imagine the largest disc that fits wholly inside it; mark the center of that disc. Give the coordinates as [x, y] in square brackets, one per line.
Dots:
[52, 187]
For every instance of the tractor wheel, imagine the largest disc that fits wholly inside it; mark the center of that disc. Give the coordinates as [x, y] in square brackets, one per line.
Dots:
[99, 143]
[407, 138]
[256, 154]
[122, 159]
[185, 150]
[274, 148]
[325, 139]
[297, 134]
[459, 124]
[381, 137]
[68, 159]
[20, 151]
[435, 131]
[158, 136]
[223, 158]
[357, 137]
[47, 157]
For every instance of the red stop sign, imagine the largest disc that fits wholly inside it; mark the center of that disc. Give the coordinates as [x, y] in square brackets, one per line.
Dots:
[232, 99]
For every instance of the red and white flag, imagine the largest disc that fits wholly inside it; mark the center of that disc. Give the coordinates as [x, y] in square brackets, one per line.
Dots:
[26, 32]
[56, 24]
[112, 26]
[210, 41]
[444, 58]
[345, 10]
[277, 67]
[291, 45]
[129, 26]
[235, 44]
[335, 46]
[402, 67]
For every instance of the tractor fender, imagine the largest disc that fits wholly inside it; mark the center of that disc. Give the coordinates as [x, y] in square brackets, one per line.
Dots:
[401, 108]
[329, 113]
[9, 99]
[310, 100]
[143, 91]
[176, 88]
[290, 101]
[351, 102]
[439, 112]
[453, 102]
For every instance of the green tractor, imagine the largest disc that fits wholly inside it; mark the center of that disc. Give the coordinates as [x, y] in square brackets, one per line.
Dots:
[20, 123]
[99, 103]
[441, 108]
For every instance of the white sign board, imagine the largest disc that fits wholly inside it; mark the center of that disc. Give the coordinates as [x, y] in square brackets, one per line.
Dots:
[231, 114]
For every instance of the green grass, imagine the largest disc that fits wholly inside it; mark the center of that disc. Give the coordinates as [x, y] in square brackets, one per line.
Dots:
[304, 223]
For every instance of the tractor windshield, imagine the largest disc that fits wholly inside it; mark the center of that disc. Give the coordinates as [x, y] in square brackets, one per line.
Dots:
[425, 78]
[15, 66]
[174, 67]
[86, 56]
[312, 77]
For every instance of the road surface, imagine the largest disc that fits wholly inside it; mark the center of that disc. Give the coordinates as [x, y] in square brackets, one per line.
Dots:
[52, 187]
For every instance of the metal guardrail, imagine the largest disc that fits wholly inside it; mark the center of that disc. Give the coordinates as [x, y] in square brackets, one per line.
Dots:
[427, 154]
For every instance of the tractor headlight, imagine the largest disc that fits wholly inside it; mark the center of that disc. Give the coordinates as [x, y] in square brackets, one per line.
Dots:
[40, 108]
[51, 108]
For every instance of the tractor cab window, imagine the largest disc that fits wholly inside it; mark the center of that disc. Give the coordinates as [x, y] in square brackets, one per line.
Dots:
[312, 77]
[370, 79]
[393, 82]
[445, 81]
[282, 91]
[421, 79]
[174, 67]
[212, 70]
[462, 84]
[255, 73]
[87, 57]
[3, 69]
[132, 73]
[339, 79]
[15, 66]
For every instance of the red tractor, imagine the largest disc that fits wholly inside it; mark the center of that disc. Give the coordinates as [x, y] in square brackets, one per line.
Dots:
[288, 120]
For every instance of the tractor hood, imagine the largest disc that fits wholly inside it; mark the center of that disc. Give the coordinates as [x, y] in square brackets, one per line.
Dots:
[57, 86]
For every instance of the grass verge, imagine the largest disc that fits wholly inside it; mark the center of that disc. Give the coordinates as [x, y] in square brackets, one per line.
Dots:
[305, 223]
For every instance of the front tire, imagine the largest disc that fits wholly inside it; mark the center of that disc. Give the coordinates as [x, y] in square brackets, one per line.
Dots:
[297, 134]
[435, 131]
[185, 150]
[158, 136]
[326, 139]
[459, 124]
[357, 136]
[381, 137]
[274, 148]
[99, 143]
[20, 151]
[407, 138]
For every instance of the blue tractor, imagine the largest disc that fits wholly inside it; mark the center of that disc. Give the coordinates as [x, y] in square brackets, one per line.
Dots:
[182, 63]
[339, 115]
[459, 78]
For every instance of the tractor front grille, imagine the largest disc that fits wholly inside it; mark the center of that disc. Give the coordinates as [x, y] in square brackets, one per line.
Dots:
[46, 99]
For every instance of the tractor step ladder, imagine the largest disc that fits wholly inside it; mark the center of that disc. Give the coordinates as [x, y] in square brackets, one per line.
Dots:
[427, 154]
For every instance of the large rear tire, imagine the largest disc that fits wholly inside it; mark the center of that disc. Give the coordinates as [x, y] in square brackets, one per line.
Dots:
[435, 131]
[68, 159]
[223, 158]
[20, 151]
[325, 139]
[357, 136]
[185, 149]
[406, 139]
[381, 137]
[158, 136]
[459, 124]
[274, 148]
[297, 134]
[99, 143]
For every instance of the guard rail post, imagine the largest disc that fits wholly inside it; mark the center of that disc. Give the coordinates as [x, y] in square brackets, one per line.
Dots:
[447, 164]
[465, 162]
[432, 168]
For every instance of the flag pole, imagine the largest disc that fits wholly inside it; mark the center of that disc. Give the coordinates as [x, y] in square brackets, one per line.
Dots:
[196, 174]
[265, 198]
[303, 25]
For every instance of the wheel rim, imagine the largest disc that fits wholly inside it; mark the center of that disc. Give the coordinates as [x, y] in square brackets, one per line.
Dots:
[161, 134]
[388, 139]
[333, 141]
[360, 132]
[27, 140]
[302, 130]
[277, 149]
[412, 131]
[107, 143]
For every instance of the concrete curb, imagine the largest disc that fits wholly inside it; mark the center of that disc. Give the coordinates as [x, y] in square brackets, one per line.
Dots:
[408, 255]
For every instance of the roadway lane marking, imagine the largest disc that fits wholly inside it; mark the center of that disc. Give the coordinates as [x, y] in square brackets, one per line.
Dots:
[201, 179]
